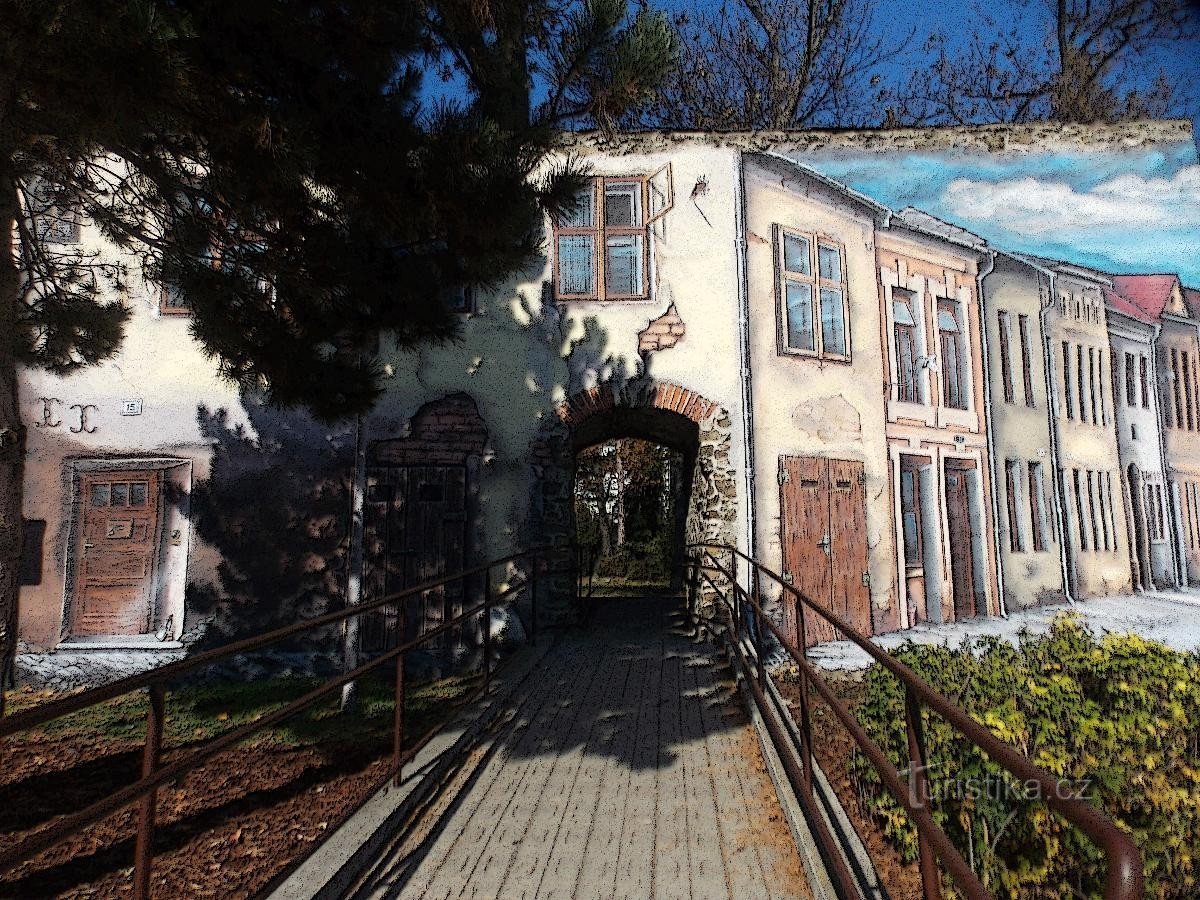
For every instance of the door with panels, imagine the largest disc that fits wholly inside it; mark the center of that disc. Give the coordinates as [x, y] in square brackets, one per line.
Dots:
[823, 521]
[116, 553]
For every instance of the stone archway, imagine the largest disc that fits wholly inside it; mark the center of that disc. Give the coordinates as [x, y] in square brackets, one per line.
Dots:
[662, 412]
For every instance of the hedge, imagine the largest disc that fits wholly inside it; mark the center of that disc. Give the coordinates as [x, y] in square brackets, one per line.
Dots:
[1117, 718]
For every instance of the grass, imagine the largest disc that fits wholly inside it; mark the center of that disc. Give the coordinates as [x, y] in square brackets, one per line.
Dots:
[199, 713]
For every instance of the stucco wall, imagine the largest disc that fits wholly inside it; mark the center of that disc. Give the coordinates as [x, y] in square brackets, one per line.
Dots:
[807, 407]
[1085, 446]
[1022, 432]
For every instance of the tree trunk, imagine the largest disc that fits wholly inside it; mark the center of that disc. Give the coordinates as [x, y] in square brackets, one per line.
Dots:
[12, 443]
[350, 630]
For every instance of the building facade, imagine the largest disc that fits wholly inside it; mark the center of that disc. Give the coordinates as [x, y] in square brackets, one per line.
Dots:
[1095, 532]
[851, 408]
[1016, 305]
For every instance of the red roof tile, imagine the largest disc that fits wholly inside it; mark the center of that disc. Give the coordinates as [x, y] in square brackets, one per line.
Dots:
[1117, 302]
[1149, 293]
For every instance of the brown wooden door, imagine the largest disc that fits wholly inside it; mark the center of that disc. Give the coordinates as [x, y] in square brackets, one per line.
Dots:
[116, 553]
[848, 543]
[415, 531]
[823, 519]
[960, 525]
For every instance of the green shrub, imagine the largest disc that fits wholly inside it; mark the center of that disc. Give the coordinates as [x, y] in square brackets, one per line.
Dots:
[1117, 718]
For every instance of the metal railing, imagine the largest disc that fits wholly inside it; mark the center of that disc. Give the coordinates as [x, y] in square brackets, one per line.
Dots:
[155, 774]
[746, 619]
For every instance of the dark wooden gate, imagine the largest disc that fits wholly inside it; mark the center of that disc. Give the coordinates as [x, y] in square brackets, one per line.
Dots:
[823, 517]
[415, 531]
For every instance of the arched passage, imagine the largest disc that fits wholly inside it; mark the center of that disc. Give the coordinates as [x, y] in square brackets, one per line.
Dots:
[663, 413]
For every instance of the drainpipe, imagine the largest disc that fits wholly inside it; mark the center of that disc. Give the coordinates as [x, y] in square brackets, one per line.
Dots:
[990, 264]
[739, 224]
[1176, 529]
[1060, 527]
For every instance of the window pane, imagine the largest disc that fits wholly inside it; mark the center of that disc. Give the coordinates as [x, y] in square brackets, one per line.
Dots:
[99, 495]
[796, 256]
[584, 215]
[137, 493]
[946, 321]
[622, 205]
[833, 325]
[120, 494]
[576, 266]
[800, 316]
[901, 313]
[830, 261]
[623, 264]
[909, 514]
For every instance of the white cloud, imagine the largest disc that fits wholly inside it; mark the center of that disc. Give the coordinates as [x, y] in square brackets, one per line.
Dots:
[1033, 206]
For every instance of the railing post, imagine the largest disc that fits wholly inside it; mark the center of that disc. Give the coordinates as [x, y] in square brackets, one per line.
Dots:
[737, 597]
[918, 782]
[401, 698]
[533, 592]
[151, 751]
[758, 627]
[487, 628]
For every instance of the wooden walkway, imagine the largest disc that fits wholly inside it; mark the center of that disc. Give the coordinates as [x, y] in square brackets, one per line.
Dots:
[629, 770]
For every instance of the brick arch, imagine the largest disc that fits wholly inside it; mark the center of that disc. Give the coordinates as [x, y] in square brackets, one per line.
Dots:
[662, 395]
[663, 412]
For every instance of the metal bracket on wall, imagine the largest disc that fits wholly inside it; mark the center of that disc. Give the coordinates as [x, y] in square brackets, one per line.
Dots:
[83, 420]
[48, 420]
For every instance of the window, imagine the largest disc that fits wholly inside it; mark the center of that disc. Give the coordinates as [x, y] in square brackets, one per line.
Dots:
[1185, 360]
[1094, 510]
[1037, 506]
[1005, 357]
[1066, 361]
[910, 509]
[1144, 372]
[1079, 381]
[601, 248]
[53, 220]
[1108, 508]
[950, 332]
[1130, 386]
[1026, 370]
[1080, 520]
[906, 346]
[813, 294]
[460, 300]
[1012, 481]
[1154, 512]
[1092, 382]
[172, 302]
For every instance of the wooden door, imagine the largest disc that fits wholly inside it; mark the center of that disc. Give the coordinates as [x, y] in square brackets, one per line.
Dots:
[823, 521]
[116, 552]
[851, 588]
[961, 534]
[415, 531]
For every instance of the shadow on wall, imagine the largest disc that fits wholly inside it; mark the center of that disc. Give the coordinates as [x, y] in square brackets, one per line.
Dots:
[275, 506]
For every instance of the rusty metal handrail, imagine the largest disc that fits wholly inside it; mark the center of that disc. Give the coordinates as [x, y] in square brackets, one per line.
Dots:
[1124, 875]
[154, 775]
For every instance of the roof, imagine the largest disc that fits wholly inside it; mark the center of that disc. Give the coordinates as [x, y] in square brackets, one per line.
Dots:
[1149, 293]
[1191, 299]
[1121, 304]
[788, 166]
[1064, 267]
[919, 220]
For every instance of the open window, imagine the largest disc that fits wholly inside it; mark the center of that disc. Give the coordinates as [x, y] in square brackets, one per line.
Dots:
[601, 248]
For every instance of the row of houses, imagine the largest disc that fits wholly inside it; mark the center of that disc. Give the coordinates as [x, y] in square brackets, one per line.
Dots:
[907, 422]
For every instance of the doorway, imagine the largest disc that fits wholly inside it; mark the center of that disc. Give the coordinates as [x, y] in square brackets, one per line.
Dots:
[116, 553]
[823, 522]
[963, 534]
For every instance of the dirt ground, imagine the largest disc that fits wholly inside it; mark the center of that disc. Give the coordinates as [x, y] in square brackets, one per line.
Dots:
[227, 829]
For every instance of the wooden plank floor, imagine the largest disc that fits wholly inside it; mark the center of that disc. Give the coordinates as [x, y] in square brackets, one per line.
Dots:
[629, 770]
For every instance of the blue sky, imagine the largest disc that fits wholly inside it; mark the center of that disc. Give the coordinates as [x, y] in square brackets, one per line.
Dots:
[1119, 211]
